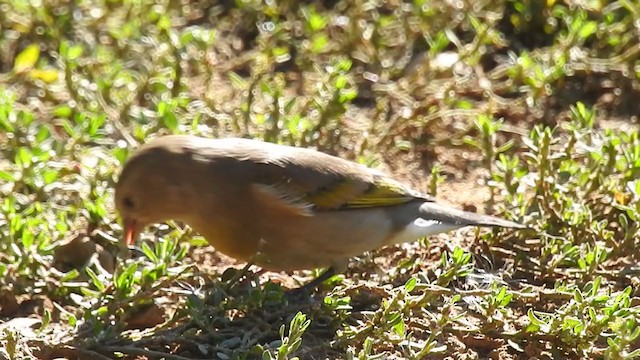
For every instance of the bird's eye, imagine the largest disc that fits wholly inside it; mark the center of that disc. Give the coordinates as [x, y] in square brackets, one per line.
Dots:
[128, 202]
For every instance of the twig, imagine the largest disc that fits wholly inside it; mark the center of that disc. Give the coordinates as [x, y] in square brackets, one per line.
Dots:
[538, 295]
[70, 351]
[91, 354]
[136, 351]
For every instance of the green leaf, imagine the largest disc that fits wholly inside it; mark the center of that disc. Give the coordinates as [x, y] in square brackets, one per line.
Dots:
[186, 37]
[319, 42]
[72, 320]
[23, 157]
[96, 281]
[47, 75]
[398, 328]
[410, 284]
[146, 249]
[634, 334]
[6, 176]
[612, 344]
[70, 275]
[266, 355]
[27, 239]
[170, 120]
[125, 279]
[582, 264]
[49, 175]
[5, 124]
[27, 58]
[237, 80]
[46, 319]
[43, 134]
[588, 29]
[74, 52]
[534, 319]
[164, 23]
[317, 22]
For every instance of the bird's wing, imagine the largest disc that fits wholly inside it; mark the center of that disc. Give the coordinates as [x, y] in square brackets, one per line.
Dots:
[312, 182]
[355, 193]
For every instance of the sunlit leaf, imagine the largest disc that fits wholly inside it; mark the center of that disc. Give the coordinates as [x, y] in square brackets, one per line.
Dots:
[27, 58]
[48, 76]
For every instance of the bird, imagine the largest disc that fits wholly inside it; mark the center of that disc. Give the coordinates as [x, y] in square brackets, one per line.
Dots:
[280, 207]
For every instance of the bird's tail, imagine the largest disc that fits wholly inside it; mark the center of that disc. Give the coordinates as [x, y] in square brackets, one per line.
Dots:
[452, 216]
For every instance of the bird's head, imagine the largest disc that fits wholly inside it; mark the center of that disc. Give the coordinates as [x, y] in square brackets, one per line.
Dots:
[151, 189]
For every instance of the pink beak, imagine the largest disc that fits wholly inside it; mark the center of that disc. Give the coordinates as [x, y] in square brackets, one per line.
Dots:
[129, 232]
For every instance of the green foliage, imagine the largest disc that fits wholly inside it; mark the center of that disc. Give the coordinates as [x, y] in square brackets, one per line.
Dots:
[291, 342]
[430, 90]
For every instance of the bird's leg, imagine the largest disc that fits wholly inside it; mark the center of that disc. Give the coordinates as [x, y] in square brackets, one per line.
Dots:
[338, 267]
[312, 285]
[325, 275]
[238, 275]
[245, 269]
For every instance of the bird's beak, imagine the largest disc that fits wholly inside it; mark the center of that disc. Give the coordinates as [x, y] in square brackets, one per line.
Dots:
[129, 231]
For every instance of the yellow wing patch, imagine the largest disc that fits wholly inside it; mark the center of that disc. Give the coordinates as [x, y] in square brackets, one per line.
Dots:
[384, 192]
[338, 195]
[350, 194]
[344, 194]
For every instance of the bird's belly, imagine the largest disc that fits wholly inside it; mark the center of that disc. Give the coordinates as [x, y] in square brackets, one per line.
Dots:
[322, 239]
[230, 240]
[284, 243]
